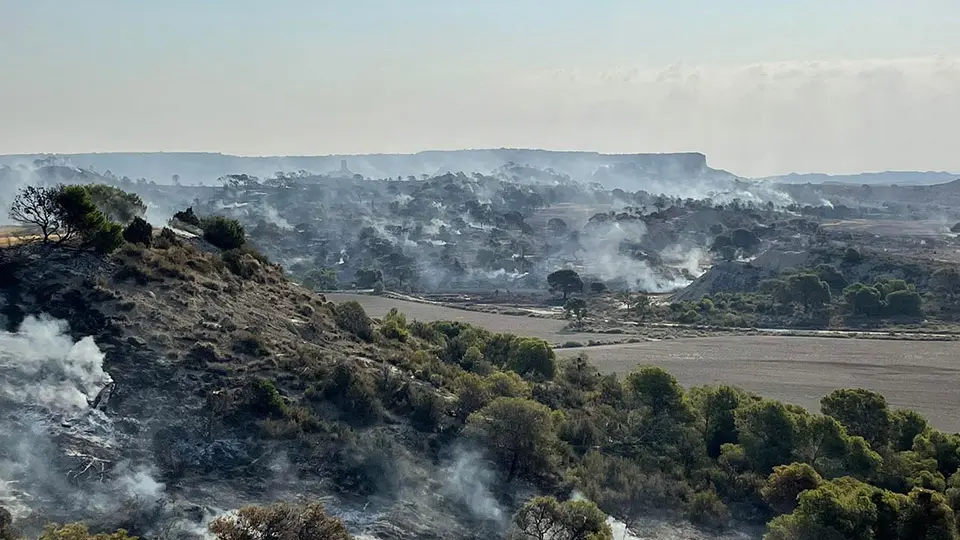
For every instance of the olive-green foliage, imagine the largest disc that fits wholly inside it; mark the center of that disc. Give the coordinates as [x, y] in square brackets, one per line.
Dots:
[862, 412]
[893, 297]
[427, 410]
[863, 300]
[474, 391]
[717, 408]
[79, 531]
[906, 425]
[849, 509]
[655, 388]
[534, 357]
[139, 232]
[808, 291]
[927, 516]
[768, 434]
[904, 302]
[830, 275]
[622, 488]
[354, 392]
[80, 218]
[320, 279]
[942, 447]
[395, 325]
[223, 232]
[520, 433]
[116, 204]
[706, 509]
[786, 483]
[263, 398]
[688, 317]
[351, 317]
[107, 239]
[544, 518]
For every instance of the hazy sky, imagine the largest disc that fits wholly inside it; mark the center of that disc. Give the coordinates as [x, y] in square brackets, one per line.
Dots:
[760, 86]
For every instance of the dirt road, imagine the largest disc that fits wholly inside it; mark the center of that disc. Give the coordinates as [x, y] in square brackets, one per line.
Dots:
[919, 375]
[550, 330]
[923, 376]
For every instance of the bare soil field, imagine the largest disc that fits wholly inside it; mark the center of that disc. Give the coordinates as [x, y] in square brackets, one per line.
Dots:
[550, 330]
[923, 376]
[12, 236]
[919, 375]
[891, 227]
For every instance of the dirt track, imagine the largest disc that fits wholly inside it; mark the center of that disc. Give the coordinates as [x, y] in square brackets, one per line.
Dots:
[923, 376]
[550, 330]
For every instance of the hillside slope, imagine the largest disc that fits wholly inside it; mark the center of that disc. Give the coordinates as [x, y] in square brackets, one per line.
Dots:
[181, 419]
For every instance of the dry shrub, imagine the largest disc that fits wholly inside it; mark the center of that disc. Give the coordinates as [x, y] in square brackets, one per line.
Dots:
[351, 317]
[280, 522]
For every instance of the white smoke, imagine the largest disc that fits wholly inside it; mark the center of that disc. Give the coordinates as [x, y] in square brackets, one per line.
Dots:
[606, 261]
[56, 452]
[41, 365]
[468, 480]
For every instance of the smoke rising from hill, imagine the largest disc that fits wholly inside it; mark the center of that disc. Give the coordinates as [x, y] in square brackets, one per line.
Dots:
[57, 453]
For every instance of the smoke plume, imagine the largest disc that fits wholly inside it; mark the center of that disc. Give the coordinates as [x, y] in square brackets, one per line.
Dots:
[58, 455]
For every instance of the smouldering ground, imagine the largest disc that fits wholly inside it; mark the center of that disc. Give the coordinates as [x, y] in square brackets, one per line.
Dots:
[919, 375]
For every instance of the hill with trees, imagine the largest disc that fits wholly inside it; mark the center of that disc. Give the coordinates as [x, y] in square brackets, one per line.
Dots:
[221, 384]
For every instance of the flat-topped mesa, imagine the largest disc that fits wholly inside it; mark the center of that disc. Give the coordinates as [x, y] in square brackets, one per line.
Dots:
[194, 167]
[587, 163]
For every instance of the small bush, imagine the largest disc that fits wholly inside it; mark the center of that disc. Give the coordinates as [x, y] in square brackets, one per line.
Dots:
[427, 410]
[707, 510]
[168, 238]
[733, 321]
[244, 262]
[131, 270]
[264, 398]
[355, 393]
[250, 343]
[222, 232]
[395, 326]
[688, 317]
[532, 357]
[279, 521]
[852, 256]
[107, 238]
[139, 232]
[351, 317]
[187, 216]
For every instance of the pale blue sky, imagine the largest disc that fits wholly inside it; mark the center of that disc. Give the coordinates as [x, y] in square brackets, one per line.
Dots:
[762, 87]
